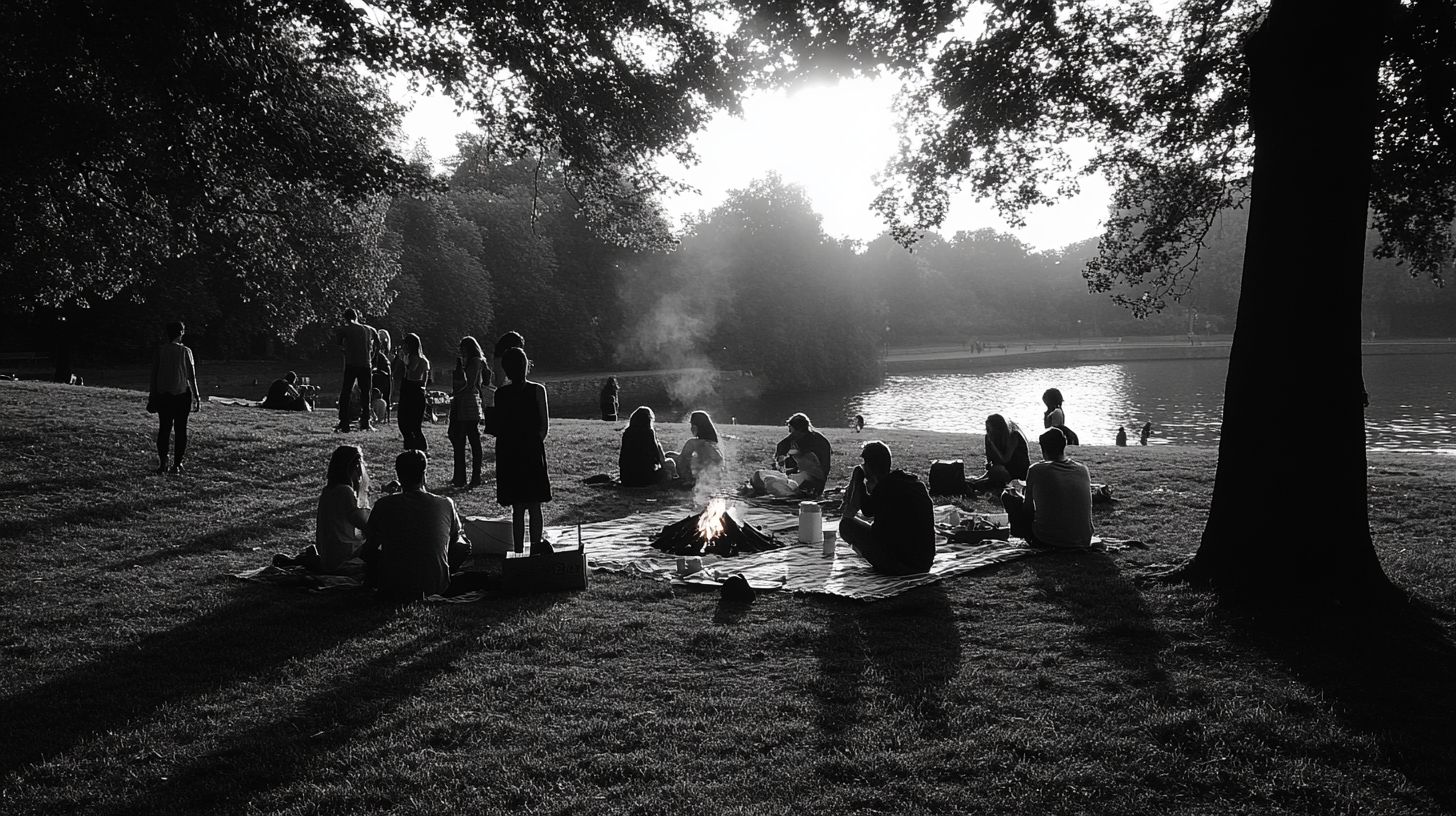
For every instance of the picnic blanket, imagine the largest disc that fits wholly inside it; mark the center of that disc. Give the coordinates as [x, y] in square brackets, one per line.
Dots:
[239, 401]
[624, 545]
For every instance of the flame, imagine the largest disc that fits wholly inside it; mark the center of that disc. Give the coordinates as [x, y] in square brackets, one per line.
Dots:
[710, 522]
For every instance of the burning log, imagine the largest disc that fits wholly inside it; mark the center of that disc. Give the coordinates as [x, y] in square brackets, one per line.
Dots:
[713, 532]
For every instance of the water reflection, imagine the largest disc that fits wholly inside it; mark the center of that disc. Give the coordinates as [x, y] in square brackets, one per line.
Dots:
[1411, 401]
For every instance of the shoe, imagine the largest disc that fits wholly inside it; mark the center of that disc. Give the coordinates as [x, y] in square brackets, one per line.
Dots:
[475, 481]
[366, 427]
[460, 482]
[177, 469]
[343, 428]
[284, 561]
[542, 547]
[162, 470]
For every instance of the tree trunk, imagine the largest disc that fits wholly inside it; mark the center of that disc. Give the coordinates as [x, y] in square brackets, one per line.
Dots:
[1289, 519]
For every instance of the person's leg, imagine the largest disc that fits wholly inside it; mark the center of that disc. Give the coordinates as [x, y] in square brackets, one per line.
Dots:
[456, 433]
[344, 391]
[537, 523]
[164, 433]
[518, 526]
[472, 432]
[184, 408]
[876, 549]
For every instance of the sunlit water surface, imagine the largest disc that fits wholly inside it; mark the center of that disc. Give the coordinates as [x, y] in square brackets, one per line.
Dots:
[1411, 403]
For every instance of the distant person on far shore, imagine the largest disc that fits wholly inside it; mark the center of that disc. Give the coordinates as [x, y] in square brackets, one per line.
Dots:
[608, 399]
[286, 395]
[1121, 437]
[1054, 417]
[857, 423]
[174, 394]
[1146, 432]
[358, 341]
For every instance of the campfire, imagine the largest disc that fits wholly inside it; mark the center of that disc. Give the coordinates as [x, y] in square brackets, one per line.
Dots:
[714, 532]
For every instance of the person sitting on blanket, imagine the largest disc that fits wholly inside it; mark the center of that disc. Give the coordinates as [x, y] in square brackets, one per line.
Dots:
[415, 537]
[802, 458]
[699, 457]
[285, 395]
[641, 462]
[1057, 508]
[901, 540]
[1007, 455]
[343, 512]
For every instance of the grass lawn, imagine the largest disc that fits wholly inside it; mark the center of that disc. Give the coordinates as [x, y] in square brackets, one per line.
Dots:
[136, 678]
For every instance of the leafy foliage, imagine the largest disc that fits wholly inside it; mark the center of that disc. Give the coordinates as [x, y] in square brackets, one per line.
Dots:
[1161, 97]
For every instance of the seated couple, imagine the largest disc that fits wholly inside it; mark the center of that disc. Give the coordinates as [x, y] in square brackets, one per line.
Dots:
[642, 461]
[1056, 510]
[899, 539]
[287, 395]
[802, 462]
[406, 546]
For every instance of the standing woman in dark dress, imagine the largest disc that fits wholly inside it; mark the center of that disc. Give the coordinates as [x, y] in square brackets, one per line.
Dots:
[380, 374]
[522, 482]
[414, 379]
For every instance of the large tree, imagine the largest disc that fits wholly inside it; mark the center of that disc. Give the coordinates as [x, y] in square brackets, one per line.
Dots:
[1306, 113]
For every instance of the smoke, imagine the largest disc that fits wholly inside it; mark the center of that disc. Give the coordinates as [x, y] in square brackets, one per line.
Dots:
[673, 335]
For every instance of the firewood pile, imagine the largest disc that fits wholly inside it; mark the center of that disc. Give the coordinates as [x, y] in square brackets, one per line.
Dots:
[687, 537]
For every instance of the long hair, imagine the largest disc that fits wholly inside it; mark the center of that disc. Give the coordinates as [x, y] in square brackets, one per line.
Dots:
[703, 426]
[641, 418]
[412, 345]
[341, 465]
[511, 339]
[997, 429]
[471, 347]
[383, 335]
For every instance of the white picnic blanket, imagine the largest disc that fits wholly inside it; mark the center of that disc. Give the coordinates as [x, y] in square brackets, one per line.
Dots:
[624, 545]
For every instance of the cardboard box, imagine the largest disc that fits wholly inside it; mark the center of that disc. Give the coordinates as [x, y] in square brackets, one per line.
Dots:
[488, 536]
[562, 569]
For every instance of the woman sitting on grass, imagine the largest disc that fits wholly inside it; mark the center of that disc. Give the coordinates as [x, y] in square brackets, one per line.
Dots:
[641, 462]
[1007, 455]
[343, 512]
[699, 457]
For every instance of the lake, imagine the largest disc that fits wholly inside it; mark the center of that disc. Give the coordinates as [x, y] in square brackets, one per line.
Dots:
[1411, 403]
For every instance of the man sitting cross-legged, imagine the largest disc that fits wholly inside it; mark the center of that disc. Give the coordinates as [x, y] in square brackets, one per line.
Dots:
[901, 541]
[414, 536]
[1057, 508]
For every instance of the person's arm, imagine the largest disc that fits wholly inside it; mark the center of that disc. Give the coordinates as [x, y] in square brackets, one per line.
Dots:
[543, 408]
[192, 379]
[156, 368]
[1029, 500]
[994, 453]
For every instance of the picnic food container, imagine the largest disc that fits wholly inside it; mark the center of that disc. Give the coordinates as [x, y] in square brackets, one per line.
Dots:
[811, 523]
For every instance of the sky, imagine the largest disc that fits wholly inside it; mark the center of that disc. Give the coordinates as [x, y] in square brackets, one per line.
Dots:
[829, 139]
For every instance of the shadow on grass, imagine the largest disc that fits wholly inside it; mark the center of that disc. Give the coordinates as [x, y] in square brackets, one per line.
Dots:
[277, 752]
[248, 637]
[92, 514]
[232, 537]
[1108, 609]
[910, 640]
[1390, 679]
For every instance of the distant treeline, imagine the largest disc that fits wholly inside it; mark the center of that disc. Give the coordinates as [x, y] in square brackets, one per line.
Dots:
[754, 284]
